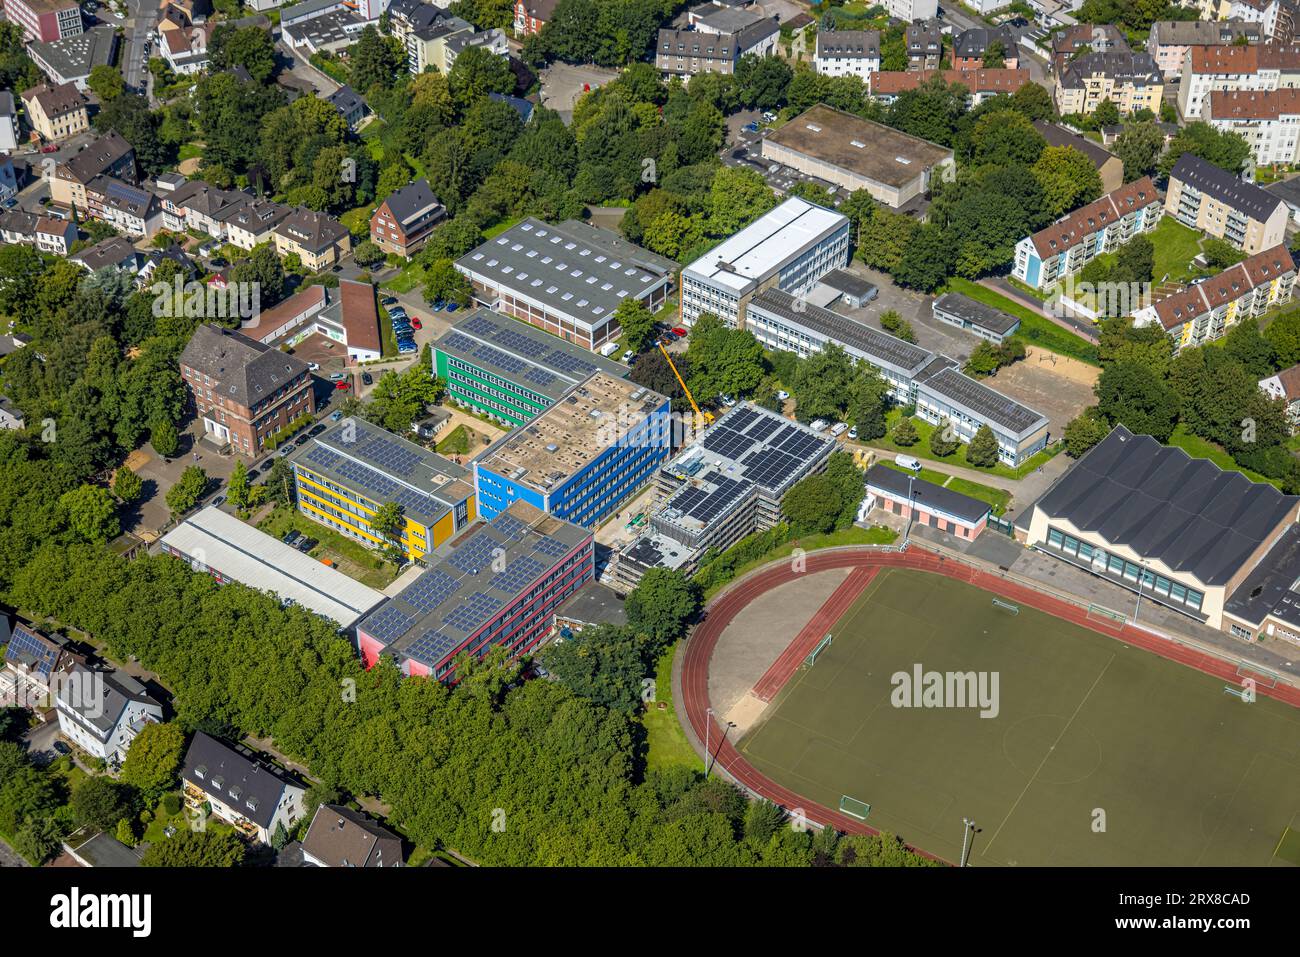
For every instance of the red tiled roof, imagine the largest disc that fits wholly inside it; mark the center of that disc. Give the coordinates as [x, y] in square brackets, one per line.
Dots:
[360, 317]
[890, 82]
[1068, 231]
[1228, 286]
[1252, 104]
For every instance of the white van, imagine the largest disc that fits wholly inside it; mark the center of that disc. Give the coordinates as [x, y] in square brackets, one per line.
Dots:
[907, 462]
[608, 349]
[818, 425]
[838, 429]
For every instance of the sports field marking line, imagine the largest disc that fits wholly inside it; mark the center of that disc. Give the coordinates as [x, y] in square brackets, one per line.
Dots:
[1048, 755]
[1232, 799]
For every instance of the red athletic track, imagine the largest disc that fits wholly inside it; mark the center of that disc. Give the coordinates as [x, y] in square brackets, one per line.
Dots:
[699, 651]
[787, 664]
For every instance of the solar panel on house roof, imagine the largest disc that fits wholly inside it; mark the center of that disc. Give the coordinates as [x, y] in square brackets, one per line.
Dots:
[25, 647]
[475, 554]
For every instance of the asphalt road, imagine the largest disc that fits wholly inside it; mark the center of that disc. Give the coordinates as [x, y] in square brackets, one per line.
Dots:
[140, 22]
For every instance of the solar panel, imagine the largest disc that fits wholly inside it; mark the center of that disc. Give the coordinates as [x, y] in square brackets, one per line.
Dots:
[388, 624]
[508, 525]
[479, 326]
[552, 547]
[539, 376]
[519, 572]
[26, 648]
[765, 427]
[454, 340]
[430, 590]
[475, 554]
[432, 646]
[472, 612]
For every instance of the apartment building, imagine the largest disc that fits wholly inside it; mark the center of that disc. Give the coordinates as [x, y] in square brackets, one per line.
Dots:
[581, 458]
[344, 475]
[1081, 38]
[127, 208]
[1204, 312]
[237, 787]
[101, 711]
[465, 604]
[1268, 121]
[46, 233]
[56, 112]
[72, 59]
[318, 239]
[910, 10]
[1285, 385]
[932, 383]
[1206, 197]
[1109, 166]
[45, 20]
[567, 279]
[1260, 68]
[107, 155]
[982, 84]
[1131, 81]
[402, 223]
[970, 47]
[1073, 241]
[253, 222]
[701, 50]
[847, 53]
[1274, 17]
[1170, 40]
[532, 15]
[243, 390]
[790, 247]
[924, 40]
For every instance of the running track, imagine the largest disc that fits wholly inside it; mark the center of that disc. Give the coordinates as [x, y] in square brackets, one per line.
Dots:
[788, 662]
[700, 645]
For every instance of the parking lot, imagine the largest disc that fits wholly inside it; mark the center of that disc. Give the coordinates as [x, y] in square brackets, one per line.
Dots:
[563, 84]
[744, 149]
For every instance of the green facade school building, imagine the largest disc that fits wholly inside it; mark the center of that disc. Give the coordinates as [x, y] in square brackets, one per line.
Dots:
[509, 370]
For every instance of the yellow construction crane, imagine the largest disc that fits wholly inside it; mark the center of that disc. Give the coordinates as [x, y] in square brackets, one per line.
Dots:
[705, 417]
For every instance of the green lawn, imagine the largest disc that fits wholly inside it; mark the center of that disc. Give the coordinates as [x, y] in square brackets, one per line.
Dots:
[410, 277]
[494, 231]
[666, 744]
[853, 535]
[1185, 774]
[456, 443]
[1176, 246]
[372, 569]
[921, 450]
[1199, 448]
[1035, 328]
[190, 151]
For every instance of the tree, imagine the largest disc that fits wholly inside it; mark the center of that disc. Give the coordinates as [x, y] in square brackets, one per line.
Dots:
[1245, 344]
[185, 494]
[188, 848]
[106, 83]
[164, 440]
[983, 448]
[476, 73]
[737, 197]
[944, 440]
[443, 283]
[237, 488]
[1139, 146]
[994, 56]
[761, 81]
[1134, 261]
[1084, 431]
[871, 423]
[603, 664]
[897, 326]
[153, 760]
[1223, 148]
[1034, 102]
[905, 433]
[127, 486]
[368, 254]
[822, 382]
[125, 833]
[250, 47]
[1136, 397]
[661, 605]
[389, 520]
[1068, 178]
[812, 505]
[1106, 113]
[1219, 253]
[1283, 334]
[376, 60]
[101, 802]
[92, 514]
[926, 265]
[636, 322]
[1006, 137]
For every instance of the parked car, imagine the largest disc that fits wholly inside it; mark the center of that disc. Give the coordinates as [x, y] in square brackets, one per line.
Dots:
[853, 432]
[253, 475]
[415, 321]
[62, 748]
[681, 331]
[750, 127]
[452, 307]
[388, 301]
[728, 401]
[671, 336]
[336, 415]
[307, 544]
[437, 306]
[291, 538]
[49, 148]
[396, 311]
[287, 448]
[313, 366]
[629, 356]
[219, 501]
[367, 378]
[407, 348]
[303, 440]
[783, 395]
[818, 425]
[342, 385]
[838, 429]
[316, 430]
[338, 376]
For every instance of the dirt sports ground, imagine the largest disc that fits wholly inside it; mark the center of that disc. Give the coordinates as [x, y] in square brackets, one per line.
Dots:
[1103, 750]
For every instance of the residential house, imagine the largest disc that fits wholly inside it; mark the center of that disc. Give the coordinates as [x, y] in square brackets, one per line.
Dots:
[1131, 81]
[1109, 166]
[970, 47]
[1205, 311]
[35, 664]
[341, 837]
[185, 49]
[243, 390]
[1081, 38]
[130, 209]
[1285, 385]
[255, 797]
[910, 10]
[847, 53]
[981, 83]
[688, 52]
[107, 155]
[254, 222]
[1272, 16]
[1263, 67]
[350, 104]
[101, 711]
[1268, 121]
[46, 233]
[402, 223]
[317, 239]
[1206, 197]
[924, 40]
[11, 417]
[532, 15]
[56, 112]
[1170, 40]
[114, 253]
[1073, 241]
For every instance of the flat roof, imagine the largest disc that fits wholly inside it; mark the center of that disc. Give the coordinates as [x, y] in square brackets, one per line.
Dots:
[594, 604]
[959, 389]
[877, 347]
[570, 434]
[572, 268]
[1271, 588]
[749, 447]
[75, 56]
[976, 312]
[929, 495]
[522, 353]
[759, 250]
[860, 146]
[483, 571]
[1187, 513]
[222, 542]
[842, 280]
[386, 468]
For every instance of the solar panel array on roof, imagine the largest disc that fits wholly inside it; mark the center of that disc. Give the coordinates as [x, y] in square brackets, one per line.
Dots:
[432, 646]
[388, 624]
[473, 612]
[474, 554]
[430, 590]
[26, 648]
[551, 547]
[704, 504]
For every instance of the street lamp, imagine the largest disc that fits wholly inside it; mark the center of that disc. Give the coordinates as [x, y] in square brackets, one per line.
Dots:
[1141, 579]
[911, 509]
[708, 723]
[967, 827]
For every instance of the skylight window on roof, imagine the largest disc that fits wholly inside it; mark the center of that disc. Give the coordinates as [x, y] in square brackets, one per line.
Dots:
[600, 259]
[585, 252]
[561, 266]
[535, 283]
[507, 270]
[492, 262]
[551, 290]
[615, 265]
[567, 296]
[547, 260]
[623, 294]
[532, 254]
[591, 280]
[516, 247]
[629, 271]
[541, 234]
[527, 227]
[523, 276]
[570, 245]
[598, 310]
[582, 302]
[478, 256]
[556, 239]
[813, 127]
[502, 241]
[606, 286]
